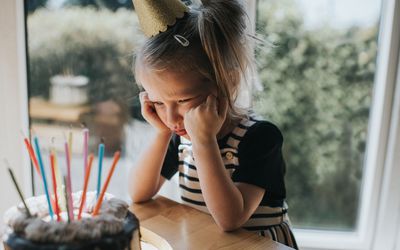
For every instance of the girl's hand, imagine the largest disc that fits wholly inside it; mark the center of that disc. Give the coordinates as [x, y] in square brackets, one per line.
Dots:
[150, 115]
[205, 121]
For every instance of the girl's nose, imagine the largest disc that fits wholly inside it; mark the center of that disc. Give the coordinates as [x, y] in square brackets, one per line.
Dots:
[173, 118]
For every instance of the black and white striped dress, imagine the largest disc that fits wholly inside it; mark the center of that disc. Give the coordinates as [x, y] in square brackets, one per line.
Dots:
[252, 153]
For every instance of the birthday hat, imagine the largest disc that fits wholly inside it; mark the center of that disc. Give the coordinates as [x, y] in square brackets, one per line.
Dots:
[156, 15]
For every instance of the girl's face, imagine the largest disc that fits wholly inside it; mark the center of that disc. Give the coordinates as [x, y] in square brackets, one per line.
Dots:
[173, 94]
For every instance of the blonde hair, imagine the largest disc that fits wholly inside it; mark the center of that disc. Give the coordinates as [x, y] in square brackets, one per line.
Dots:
[218, 47]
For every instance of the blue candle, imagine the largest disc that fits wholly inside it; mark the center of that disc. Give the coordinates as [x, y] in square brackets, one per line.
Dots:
[43, 175]
[101, 155]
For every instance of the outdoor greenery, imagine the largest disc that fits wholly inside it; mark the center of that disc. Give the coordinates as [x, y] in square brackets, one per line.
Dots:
[317, 87]
[84, 41]
[32, 5]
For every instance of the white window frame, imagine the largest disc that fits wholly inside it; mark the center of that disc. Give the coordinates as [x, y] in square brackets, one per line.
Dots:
[13, 102]
[379, 211]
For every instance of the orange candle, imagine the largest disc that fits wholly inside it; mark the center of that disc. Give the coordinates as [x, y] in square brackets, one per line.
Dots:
[96, 209]
[85, 184]
[53, 174]
[32, 155]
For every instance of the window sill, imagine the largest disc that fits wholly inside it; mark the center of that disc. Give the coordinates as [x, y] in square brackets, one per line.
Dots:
[330, 240]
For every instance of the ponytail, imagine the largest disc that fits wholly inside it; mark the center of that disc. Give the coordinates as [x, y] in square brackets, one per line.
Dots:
[222, 27]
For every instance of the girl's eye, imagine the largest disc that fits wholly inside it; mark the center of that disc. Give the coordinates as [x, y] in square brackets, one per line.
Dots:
[184, 100]
[158, 103]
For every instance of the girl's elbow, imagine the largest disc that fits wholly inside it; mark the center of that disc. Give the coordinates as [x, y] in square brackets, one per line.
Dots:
[229, 226]
[138, 197]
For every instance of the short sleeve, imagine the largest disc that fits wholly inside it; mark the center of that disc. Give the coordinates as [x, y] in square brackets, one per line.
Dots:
[260, 159]
[171, 161]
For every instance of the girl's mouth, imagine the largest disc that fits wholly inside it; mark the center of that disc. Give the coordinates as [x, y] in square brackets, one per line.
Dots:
[180, 132]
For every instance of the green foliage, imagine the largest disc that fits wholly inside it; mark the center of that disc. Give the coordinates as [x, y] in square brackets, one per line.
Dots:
[109, 4]
[83, 41]
[32, 5]
[317, 89]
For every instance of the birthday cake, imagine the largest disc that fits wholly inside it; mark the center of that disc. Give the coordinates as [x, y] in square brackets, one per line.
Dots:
[115, 227]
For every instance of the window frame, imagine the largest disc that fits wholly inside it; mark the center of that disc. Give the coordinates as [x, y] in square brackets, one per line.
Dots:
[14, 99]
[379, 213]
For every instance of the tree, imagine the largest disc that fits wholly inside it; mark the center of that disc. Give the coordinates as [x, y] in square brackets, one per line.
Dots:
[317, 88]
[98, 4]
[32, 5]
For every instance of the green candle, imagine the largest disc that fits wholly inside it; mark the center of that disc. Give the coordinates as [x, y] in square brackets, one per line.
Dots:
[18, 190]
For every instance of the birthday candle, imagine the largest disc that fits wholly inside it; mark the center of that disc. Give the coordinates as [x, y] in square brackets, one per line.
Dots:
[100, 156]
[85, 147]
[70, 205]
[70, 143]
[67, 199]
[43, 173]
[96, 209]
[85, 184]
[53, 174]
[32, 155]
[19, 191]
[60, 190]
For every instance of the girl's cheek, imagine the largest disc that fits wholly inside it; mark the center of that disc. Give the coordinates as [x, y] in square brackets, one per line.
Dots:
[183, 110]
[197, 102]
[161, 113]
[163, 117]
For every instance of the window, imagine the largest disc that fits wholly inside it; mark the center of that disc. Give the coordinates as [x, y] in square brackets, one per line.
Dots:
[328, 83]
[317, 77]
[80, 74]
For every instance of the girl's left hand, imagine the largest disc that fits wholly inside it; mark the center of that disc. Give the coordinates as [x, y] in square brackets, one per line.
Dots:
[205, 121]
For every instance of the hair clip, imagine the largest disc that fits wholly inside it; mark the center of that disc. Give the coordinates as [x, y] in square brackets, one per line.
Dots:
[182, 40]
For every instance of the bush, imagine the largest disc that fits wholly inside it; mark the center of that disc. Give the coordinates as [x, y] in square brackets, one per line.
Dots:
[84, 41]
[317, 89]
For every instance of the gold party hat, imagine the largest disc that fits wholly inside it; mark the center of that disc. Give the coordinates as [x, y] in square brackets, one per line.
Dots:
[156, 15]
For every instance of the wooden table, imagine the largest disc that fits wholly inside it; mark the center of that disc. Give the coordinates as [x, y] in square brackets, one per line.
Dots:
[187, 228]
[45, 110]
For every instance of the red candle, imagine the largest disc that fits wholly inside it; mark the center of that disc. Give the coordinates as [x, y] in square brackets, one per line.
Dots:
[32, 155]
[53, 174]
[85, 184]
[96, 209]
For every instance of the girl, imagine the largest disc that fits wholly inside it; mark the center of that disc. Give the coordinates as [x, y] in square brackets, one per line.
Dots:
[230, 164]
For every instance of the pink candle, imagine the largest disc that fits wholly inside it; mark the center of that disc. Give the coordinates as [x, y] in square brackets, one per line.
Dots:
[69, 184]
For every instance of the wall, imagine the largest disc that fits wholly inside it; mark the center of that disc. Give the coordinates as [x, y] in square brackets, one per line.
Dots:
[13, 102]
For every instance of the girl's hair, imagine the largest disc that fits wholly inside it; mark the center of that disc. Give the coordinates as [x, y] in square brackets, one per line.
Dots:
[218, 47]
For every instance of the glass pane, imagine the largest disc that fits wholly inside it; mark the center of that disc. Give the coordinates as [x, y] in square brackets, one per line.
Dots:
[317, 74]
[80, 72]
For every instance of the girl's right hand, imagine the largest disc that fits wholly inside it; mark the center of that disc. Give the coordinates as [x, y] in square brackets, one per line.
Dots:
[150, 115]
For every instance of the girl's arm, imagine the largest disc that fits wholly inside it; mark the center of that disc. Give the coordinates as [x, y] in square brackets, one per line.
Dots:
[231, 204]
[145, 179]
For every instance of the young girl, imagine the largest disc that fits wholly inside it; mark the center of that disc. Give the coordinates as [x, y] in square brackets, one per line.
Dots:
[230, 164]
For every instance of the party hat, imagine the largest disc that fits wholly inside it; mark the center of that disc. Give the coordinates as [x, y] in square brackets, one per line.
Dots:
[156, 15]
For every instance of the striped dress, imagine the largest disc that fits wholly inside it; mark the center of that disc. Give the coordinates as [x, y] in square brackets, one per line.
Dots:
[252, 153]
